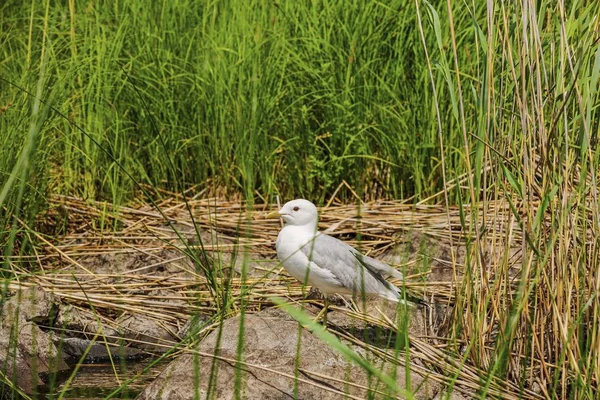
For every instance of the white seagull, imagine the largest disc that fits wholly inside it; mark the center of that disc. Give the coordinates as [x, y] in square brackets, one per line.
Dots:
[325, 262]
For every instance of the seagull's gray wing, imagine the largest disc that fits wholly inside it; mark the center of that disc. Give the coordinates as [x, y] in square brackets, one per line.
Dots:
[356, 272]
[377, 266]
[374, 272]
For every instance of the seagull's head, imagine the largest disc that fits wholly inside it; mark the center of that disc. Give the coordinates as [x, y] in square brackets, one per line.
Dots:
[299, 212]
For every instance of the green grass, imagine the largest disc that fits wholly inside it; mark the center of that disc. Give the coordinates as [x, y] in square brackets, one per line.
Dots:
[277, 98]
[398, 99]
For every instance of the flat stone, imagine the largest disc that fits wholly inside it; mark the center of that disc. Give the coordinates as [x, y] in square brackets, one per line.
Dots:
[275, 350]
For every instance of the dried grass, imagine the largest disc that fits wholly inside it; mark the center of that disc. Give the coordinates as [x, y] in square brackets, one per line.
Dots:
[483, 282]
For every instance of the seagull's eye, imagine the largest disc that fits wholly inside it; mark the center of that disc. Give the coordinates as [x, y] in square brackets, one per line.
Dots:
[296, 208]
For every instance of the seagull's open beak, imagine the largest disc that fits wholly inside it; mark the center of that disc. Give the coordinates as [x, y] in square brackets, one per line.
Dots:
[273, 214]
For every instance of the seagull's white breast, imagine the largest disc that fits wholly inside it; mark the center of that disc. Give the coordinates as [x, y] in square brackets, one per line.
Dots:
[289, 242]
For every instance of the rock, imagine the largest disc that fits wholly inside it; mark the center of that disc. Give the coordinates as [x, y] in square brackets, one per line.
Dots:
[84, 322]
[270, 356]
[30, 304]
[146, 333]
[192, 325]
[94, 352]
[28, 356]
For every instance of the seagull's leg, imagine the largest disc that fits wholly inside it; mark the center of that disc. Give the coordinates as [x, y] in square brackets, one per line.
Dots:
[323, 312]
[326, 308]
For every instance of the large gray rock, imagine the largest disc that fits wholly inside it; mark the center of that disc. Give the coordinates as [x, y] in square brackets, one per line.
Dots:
[85, 322]
[27, 354]
[146, 333]
[138, 330]
[270, 354]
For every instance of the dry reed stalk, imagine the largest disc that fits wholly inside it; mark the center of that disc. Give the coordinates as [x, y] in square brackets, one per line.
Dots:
[495, 271]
